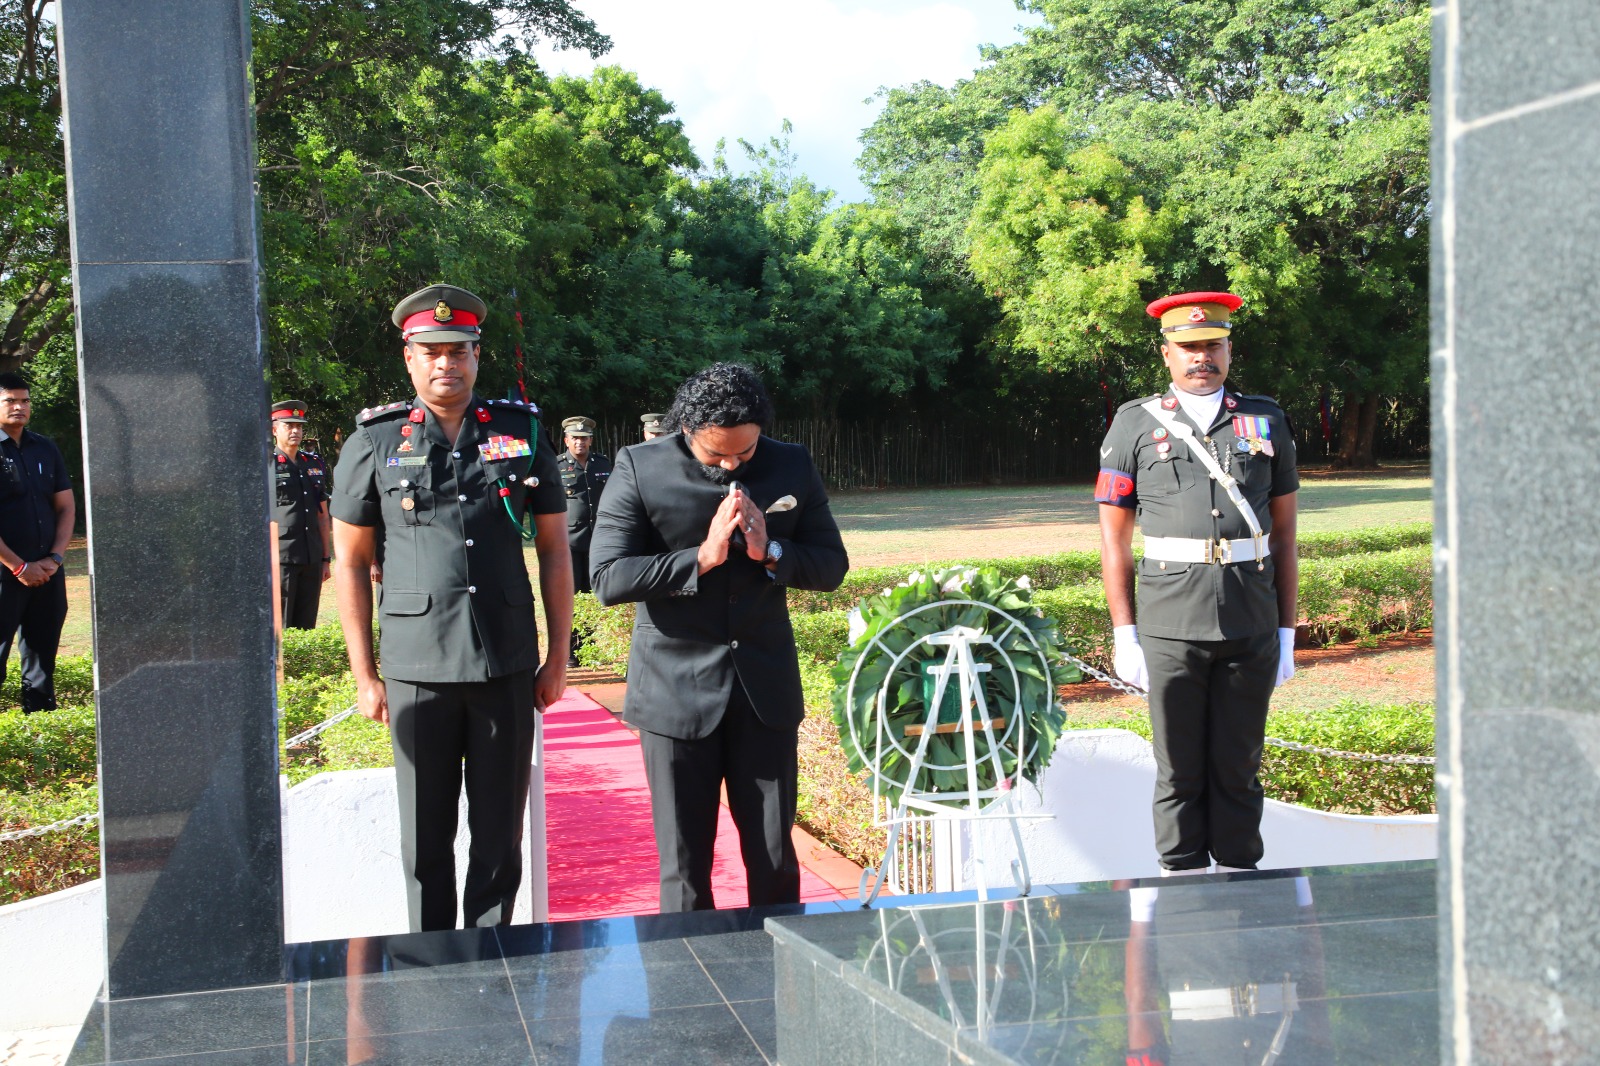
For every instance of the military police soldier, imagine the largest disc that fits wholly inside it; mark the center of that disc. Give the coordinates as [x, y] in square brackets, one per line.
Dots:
[1210, 476]
[300, 507]
[583, 476]
[654, 424]
[445, 478]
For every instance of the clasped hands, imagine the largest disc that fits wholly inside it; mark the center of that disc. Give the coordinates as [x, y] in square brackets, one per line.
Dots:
[38, 572]
[737, 513]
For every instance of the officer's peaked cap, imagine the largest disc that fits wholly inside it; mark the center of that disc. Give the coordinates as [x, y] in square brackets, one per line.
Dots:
[440, 314]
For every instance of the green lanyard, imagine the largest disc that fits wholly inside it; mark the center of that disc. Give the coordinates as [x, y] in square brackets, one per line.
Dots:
[503, 484]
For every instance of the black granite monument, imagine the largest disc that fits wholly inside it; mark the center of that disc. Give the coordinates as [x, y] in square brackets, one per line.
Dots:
[166, 272]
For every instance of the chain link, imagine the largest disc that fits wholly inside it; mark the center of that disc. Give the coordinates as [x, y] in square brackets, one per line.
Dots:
[1276, 742]
[54, 827]
[299, 740]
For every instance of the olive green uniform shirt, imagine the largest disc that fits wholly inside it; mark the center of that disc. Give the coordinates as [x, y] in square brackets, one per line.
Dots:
[457, 602]
[1176, 496]
[297, 507]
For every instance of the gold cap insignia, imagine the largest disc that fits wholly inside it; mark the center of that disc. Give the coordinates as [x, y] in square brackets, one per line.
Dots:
[442, 312]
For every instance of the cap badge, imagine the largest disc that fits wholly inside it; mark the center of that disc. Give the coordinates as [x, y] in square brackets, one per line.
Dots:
[1197, 315]
[442, 312]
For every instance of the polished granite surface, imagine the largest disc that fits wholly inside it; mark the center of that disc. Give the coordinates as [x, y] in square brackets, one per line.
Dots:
[1336, 966]
[1048, 986]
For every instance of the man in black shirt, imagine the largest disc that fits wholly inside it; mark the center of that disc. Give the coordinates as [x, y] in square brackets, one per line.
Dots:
[37, 511]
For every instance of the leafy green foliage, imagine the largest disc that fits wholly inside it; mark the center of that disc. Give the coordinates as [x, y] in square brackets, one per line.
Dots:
[314, 653]
[888, 659]
[48, 750]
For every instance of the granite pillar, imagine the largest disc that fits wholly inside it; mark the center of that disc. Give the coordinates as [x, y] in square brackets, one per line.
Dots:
[160, 158]
[1516, 373]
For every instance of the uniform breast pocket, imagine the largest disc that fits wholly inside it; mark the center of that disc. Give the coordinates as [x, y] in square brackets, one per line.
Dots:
[408, 493]
[1163, 477]
[285, 490]
[1254, 471]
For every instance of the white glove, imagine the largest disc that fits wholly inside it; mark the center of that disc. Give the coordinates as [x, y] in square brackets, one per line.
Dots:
[1128, 658]
[1285, 655]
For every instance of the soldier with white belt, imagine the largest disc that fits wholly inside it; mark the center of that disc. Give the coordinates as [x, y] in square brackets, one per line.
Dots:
[1209, 476]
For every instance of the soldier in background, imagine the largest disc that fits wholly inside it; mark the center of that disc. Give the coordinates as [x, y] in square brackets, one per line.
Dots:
[655, 424]
[583, 476]
[300, 507]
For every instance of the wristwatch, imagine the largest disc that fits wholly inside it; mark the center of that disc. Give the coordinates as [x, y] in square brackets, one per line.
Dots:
[57, 557]
[774, 552]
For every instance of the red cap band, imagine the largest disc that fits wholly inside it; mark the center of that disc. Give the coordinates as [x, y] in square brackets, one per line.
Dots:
[288, 412]
[428, 322]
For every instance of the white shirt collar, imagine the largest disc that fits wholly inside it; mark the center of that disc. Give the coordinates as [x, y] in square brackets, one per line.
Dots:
[1202, 410]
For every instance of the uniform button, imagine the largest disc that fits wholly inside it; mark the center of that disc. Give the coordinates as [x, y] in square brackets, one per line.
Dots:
[404, 483]
[469, 542]
[472, 588]
[1208, 440]
[456, 455]
[463, 499]
[1215, 513]
[734, 645]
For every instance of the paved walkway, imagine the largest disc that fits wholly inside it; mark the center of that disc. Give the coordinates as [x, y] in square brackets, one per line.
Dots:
[601, 850]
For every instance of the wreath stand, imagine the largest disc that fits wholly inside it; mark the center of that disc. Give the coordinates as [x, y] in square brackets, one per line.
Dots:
[1006, 734]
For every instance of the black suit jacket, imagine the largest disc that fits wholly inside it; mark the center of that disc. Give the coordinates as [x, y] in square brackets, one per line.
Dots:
[696, 634]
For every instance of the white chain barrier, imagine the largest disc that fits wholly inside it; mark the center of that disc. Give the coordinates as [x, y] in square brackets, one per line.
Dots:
[299, 740]
[54, 827]
[1275, 742]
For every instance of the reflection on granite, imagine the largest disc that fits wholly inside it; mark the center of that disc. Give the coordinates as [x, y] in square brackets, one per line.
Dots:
[1217, 969]
[1335, 966]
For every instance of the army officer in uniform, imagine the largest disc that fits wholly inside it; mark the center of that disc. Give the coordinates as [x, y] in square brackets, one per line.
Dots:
[1209, 475]
[445, 479]
[654, 424]
[300, 507]
[583, 477]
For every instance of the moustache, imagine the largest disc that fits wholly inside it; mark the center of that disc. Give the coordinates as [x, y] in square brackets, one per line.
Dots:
[1201, 368]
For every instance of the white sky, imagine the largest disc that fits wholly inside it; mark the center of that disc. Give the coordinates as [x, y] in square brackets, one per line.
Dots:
[738, 68]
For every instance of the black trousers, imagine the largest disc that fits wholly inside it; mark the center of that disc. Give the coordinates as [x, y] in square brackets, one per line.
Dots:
[580, 571]
[482, 732]
[1208, 717]
[300, 585]
[760, 767]
[38, 613]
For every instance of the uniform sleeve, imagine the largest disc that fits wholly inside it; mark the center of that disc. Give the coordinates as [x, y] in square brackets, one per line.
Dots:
[356, 501]
[1285, 472]
[547, 497]
[1119, 463]
[62, 482]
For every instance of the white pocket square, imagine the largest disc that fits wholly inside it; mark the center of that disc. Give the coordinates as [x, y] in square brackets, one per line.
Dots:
[786, 503]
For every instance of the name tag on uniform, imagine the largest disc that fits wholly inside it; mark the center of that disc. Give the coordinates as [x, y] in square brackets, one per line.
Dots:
[497, 449]
[408, 460]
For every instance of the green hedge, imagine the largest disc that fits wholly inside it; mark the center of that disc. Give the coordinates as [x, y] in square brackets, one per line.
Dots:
[49, 750]
[74, 682]
[1323, 782]
[315, 652]
[1353, 596]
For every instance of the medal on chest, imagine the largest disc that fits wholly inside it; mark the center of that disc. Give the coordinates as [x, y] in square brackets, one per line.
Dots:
[1254, 433]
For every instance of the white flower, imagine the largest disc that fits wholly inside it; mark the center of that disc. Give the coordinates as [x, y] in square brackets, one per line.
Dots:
[1024, 583]
[958, 581]
[858, 625]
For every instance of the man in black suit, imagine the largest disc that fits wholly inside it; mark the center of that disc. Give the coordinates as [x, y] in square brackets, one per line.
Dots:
[705, 529]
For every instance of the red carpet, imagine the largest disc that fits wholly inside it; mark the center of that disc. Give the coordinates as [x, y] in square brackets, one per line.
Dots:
[602, 853]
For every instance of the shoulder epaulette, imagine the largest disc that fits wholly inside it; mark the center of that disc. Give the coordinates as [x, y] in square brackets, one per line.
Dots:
[520, 405]
[1267, 399]
[374, 414]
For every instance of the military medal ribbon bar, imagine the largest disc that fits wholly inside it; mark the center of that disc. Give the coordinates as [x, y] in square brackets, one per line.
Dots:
[497, 449]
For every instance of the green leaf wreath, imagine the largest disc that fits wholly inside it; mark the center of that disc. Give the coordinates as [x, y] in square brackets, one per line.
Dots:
[977, 597]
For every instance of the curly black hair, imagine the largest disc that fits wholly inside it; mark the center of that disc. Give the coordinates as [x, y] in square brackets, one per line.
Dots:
[723, 394]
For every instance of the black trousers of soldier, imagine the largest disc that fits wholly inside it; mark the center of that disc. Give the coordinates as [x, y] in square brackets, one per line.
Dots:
[38, 613]
[482, 732]
[760, 766]
[1208, 718]
[301, 587]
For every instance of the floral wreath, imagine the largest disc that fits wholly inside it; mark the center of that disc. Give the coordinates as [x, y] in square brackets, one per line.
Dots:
[886, 656]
